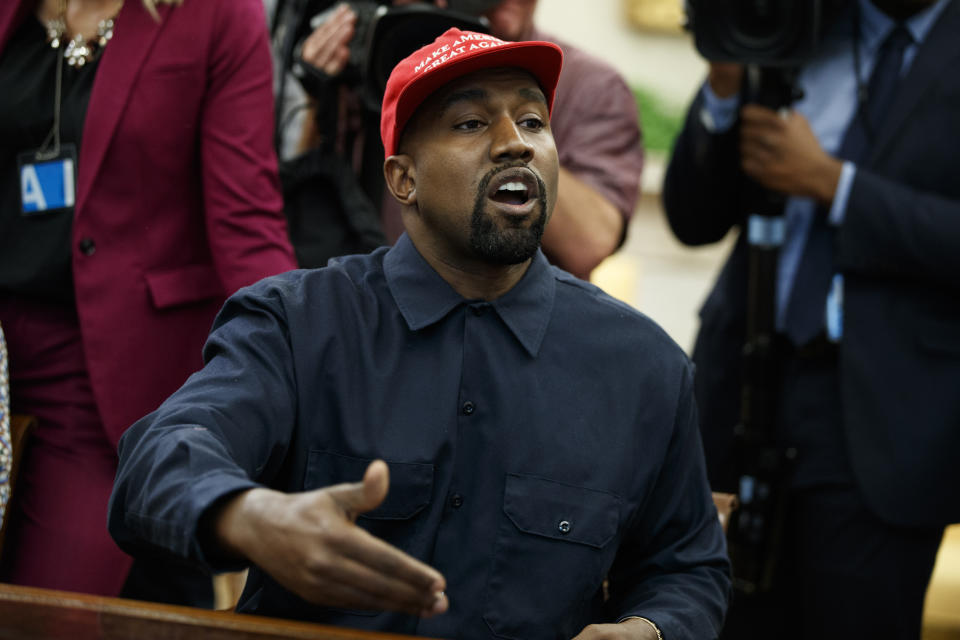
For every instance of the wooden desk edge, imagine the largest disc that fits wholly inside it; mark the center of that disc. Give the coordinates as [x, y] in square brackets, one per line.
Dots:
[228, 620]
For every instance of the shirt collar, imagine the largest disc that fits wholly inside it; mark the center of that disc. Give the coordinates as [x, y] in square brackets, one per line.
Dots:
[423, 297]
[875, 25]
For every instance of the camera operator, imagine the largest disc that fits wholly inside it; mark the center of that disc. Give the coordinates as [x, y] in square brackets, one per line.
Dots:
[868, 306]
[599, 140]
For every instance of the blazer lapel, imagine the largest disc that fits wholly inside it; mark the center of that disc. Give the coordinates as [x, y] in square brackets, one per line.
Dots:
[933, 60]
[118, 72]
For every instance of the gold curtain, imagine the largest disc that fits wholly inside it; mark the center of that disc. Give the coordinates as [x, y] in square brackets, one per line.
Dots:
[655, 15]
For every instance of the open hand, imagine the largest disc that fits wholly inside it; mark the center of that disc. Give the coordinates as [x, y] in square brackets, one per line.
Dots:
[310, 544]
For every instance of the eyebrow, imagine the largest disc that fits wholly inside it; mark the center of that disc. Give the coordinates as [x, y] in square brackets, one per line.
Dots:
[477, 95]
[533, 94]
[466, 95]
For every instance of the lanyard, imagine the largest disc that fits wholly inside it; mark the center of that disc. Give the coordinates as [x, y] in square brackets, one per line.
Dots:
[45, 152]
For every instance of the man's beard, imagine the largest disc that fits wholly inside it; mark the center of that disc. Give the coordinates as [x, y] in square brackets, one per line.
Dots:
[511, 245]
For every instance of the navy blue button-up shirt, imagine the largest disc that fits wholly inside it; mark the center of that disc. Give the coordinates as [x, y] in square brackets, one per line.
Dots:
[537, 444]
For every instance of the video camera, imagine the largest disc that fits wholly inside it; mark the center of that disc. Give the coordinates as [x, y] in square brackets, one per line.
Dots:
[770, 33]
[384, 35]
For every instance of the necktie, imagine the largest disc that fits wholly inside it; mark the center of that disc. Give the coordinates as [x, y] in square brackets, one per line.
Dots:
[806, 308]
[6, 447]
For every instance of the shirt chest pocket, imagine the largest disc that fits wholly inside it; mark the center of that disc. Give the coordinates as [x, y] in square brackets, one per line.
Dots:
[554, 547]
[395, 520]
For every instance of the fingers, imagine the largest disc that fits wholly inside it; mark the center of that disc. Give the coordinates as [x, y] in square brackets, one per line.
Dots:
[385, 559]
[348, 595]
[756, 121]
[763, 134]
[781, 152]
[372, 562]
[310, 543]
[327, 48]
[370, 588]
[376, 483]
[359, 497]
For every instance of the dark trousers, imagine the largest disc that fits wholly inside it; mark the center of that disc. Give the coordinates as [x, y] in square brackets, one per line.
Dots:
[57, 533]
[57, 536]
[843, 572]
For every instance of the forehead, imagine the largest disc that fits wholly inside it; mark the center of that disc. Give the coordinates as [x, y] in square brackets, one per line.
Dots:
[486, 86]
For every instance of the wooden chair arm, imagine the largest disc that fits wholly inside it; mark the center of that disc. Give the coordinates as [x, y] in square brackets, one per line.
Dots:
[21, 426]
[725, 503]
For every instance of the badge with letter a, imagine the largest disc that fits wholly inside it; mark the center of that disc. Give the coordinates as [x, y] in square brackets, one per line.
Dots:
[47, 180]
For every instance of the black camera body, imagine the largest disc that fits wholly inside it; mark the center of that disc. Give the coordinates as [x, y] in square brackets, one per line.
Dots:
[771, 33]
[385, 35]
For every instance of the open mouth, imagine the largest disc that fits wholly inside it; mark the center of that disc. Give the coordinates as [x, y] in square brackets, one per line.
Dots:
[516, 187]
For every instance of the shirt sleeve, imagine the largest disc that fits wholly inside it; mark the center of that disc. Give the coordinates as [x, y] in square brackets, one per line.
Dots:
[672, 567]
[838, 209]
[717, 114]
[224, 431]
[598, 140]
[243, 206]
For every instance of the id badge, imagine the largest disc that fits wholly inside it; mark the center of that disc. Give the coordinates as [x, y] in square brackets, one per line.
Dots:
[47, 181]
[835, 309]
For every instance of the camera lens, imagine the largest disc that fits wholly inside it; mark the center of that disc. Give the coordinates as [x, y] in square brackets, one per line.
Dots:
[769, 26]
[472, 7]
[757, 18]
[764, 32]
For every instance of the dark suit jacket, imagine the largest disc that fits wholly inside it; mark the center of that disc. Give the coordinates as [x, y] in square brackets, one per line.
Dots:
[177, 191]
[899, 250]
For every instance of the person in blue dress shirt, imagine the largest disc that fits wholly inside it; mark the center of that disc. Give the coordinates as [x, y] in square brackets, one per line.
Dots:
[867, 306]
[449, 437]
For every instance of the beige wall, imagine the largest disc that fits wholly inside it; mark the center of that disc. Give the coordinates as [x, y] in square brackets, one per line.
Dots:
[664, 63]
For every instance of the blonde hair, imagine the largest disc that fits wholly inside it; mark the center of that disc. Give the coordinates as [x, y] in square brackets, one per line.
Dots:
[151, 6]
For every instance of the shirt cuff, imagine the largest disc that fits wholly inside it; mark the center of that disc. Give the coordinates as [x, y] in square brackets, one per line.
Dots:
[717, 115]
[838, 210]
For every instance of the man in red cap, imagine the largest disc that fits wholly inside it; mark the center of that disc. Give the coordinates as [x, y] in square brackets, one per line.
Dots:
[449, 437]
[598, 140]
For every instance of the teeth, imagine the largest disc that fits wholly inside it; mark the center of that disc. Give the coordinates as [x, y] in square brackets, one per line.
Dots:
[513, 186]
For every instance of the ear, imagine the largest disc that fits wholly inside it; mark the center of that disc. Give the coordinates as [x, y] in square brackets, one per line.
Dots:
[400, 176]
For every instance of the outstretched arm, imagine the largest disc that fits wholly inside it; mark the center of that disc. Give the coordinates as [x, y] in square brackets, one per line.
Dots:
[192, 477]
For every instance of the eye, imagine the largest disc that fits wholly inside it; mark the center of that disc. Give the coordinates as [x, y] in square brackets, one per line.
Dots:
[533, 122]
[468, 125]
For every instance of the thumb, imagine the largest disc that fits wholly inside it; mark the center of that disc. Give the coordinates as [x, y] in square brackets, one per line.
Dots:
[359, 497]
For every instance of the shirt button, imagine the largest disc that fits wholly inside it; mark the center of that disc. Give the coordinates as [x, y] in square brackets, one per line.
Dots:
[468, 408]
[564, 526]
[479, 309]
[88, 247]
[456, 501]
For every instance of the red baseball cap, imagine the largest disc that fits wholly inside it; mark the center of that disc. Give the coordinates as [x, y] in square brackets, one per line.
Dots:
[454, 54]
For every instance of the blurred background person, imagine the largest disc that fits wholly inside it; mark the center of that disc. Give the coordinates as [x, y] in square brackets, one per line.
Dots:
[138, 189]
[867, 311]
[595, 125]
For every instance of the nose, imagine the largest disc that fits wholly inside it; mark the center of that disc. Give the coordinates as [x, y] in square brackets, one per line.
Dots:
[509, 142]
